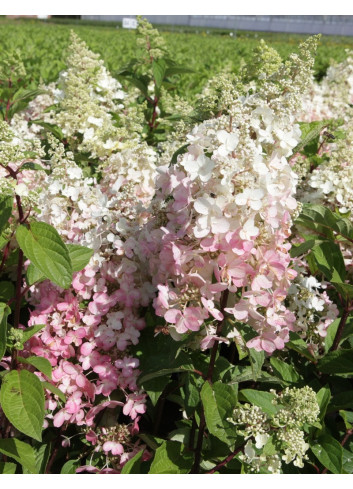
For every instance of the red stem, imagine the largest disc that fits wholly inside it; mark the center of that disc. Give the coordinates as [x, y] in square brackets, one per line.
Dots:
[226, 460]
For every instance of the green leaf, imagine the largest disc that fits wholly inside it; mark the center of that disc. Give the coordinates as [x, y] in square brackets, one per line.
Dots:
[7, 468]
[52, 388]
[22, 400]
[177, 70]
[3, 241]
[138, 84]
[4, 313]
[323, 398]
[7, 291]
[330, 261]
[6, 204]
[79, 256]
[178, 152]
[330, 334]
[30, 165]
[341, 400]
[46, 250]
[329, 453]
[310, 131]
[261, 399]
[22, 452]
[284, 370]
[42, 453]
[298, 250]
[163, 372]
[40, 363]
[323, 221]
[33, 275]
[218, 402]
[169, 459]
[158, 69]
[336, 362]
[257, 359]
[31, 331]
[347, 417]
[154, 387]
[346, 290]
[133, 465]
[347, 461]
[298, 344]
[52, 128]
[191, 392]
[70, 467]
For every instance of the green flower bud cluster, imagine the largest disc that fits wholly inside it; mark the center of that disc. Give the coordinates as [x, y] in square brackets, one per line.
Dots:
[15, 339]
[150, 40]
[280, 434]
[10, 151]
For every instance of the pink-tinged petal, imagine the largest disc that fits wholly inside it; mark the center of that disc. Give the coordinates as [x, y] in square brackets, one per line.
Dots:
[86, 348]
[59, 418]
[117, 449]
[261, 282]
[172, 315]
[69, 368]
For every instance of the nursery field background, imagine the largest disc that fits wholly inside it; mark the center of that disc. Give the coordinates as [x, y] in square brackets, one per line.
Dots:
[43, 46]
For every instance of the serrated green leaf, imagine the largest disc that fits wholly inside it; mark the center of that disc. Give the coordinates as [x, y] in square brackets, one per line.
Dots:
[347, 417]
[178, 152]
[133, 465]
[70, 467]
[169, 459]
[52, 128]
[31, 331]
[154, 387]
[79, 256]
[138, 84]
[54, 390]
[218, 402]
[30, 165]
[298, 250]
[33, 275]
[298, 344]
[323, 399]
[178, 70]
[4, 313]
[331, 334]
[342, 400]
[3, 241]
[347, 461]
[310, 131]
[158, 69]
[257, 359]
[40, 363]
[261, 399]
[7, 291]
[346, 290]
[44, 247]
[284, 370]
[336, 362]
[7, 468]
[330, 261]
[329, 453]
[22, 400]
[22, 452]
[6, 204]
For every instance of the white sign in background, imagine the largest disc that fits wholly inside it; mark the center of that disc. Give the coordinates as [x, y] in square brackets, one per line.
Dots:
[129, 23]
